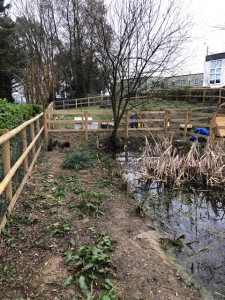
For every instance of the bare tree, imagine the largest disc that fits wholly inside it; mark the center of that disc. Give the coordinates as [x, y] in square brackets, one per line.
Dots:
[141, 38]
[37, 39]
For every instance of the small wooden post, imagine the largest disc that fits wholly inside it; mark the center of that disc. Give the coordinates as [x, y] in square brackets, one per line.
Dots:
[24, 144]
[189, 115]
[127, 125]
[166, 121]
[220, 94]
[203, 100]
[213, 129]
[186, 125]
[7, 165]
[45, 126]
[32, 133]
[76, 102]
[86, 126]
[63, 104]
[88, 101]
[38, 129]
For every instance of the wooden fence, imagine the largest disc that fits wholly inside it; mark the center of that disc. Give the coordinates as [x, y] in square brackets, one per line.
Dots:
[215, 95]
[164, 121]
[28, 135]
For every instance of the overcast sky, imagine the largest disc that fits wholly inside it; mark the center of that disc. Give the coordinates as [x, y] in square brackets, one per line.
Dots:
[207, 15]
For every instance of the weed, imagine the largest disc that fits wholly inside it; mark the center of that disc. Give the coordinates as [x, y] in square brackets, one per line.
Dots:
[89, 207]
[45, 171]
[79, 159]
[104, 182]
[59, 191]
[98, 195]
[90, 229]
[77, 189]
[60, 228]
[91, 263]
[10, 271]
[8, 238]
[41, 195]
[68, 178]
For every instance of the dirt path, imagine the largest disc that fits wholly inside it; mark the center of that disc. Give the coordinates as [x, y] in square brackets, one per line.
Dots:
[47, 221]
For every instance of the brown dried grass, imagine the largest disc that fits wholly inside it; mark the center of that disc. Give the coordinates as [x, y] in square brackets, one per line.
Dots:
[161, 161]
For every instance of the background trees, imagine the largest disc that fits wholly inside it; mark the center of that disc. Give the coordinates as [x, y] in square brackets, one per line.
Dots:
[81, 47]
[56, 42]
[6, 53]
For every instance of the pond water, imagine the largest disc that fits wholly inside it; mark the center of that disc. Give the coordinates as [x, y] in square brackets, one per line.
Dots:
[198, 215]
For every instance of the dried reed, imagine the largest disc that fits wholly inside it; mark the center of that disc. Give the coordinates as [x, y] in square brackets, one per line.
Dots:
[161, 161]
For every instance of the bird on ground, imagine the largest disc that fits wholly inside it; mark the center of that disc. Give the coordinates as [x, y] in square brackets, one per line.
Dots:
[62, 145]
[50, 145]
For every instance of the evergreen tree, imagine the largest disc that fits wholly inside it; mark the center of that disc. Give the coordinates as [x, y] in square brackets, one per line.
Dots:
[6, 53]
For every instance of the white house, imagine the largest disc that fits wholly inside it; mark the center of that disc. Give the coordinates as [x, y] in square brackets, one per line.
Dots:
[214, 71]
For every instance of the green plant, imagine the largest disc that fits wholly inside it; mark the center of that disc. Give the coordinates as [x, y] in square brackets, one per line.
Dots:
[60, 228]
[79, 159]
[59, 191]
[104, 182]
[90, 264]
[68, 178]
[45, 171]
[77, 189]
[89, 207]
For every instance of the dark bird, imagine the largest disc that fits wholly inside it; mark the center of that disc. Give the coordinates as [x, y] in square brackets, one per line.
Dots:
[54, 143]
[61, 145]
[67, 144]
[50, 145]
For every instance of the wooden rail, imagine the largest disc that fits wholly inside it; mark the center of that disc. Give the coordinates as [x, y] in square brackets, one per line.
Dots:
[203, 93]
[88, 121]
[33, 148]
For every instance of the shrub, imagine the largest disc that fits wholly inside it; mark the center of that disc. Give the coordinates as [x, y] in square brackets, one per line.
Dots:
[79, 159]
[12, 115]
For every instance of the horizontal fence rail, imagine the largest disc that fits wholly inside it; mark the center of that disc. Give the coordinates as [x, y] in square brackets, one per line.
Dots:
[215, 95]
[20, 148]
[165, 121]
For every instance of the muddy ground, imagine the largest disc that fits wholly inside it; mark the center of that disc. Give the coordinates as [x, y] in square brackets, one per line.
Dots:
[48, 220]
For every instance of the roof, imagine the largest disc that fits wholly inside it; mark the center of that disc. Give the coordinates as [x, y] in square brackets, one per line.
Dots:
[215, 56]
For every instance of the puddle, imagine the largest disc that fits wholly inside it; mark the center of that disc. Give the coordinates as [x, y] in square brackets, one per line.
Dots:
[199, 215]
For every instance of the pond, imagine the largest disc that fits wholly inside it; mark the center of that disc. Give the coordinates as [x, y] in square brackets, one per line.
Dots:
[198, 216]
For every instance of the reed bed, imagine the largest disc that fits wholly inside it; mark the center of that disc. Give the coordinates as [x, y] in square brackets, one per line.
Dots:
[163, 162]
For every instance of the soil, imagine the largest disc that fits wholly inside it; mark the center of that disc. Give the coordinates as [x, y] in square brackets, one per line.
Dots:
[32, 252]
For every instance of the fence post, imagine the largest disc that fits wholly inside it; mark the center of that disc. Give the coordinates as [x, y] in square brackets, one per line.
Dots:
[220, 94]
[63, 104]
[24, 145]
[203, 100]
[127, 125]
[32, 133]
[7, 165]
[45, 126]
[166, 121]
[187, 118]
[38, 129]
[213, 129]
[86, 125]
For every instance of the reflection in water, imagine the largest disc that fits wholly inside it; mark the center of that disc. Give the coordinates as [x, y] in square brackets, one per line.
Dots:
[200, 215]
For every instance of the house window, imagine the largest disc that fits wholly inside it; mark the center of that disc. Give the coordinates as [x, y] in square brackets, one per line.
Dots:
[196, 82]
[215, 71]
